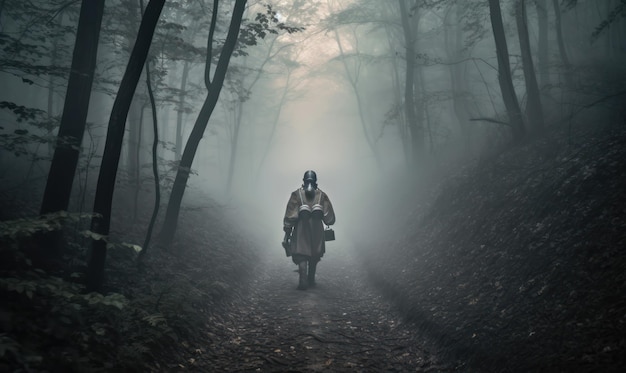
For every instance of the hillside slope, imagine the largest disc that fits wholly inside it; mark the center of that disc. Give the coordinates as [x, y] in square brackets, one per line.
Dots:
[519, 264]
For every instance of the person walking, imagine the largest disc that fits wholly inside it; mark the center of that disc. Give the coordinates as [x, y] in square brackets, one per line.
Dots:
[308, 209]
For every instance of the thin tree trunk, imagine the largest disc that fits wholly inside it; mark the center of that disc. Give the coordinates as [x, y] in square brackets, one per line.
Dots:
[137, 156]
[425, 112]
[100, 224]
[233, 145]
[51, 86]
[134, 122]
[353, 80]
[397, 91]
[72, 128]
[155, 164]
[239, 114]
[561, 44]
[181, 110]
[457, 75]
[542, 43]
[281, 103]
[133, 142]
[416, 131]
[534, 111]
[504, 72]
[182, 175]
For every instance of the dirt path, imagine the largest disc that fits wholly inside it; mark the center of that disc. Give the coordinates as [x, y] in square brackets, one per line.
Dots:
[340, 325]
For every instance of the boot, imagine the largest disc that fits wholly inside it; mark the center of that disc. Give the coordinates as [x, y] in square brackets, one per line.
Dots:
[302, 281]
[311, 276]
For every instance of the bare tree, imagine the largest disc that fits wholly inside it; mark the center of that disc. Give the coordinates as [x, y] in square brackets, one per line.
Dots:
[290, 66]
[410, 33]
[561, 44]
[155, 165]
[100, 224]
[70, 136]
[542, 43]
[534, 111]
[214, 88]
[458, 70]
[504, 72]
[241, 93]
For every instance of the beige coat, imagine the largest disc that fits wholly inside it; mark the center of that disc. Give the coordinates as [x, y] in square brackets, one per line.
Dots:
[306, 217]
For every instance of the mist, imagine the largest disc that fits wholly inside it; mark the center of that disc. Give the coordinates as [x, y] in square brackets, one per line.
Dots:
[473, 153]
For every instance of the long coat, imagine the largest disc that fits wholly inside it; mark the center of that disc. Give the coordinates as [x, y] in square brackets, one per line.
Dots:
[306, 216]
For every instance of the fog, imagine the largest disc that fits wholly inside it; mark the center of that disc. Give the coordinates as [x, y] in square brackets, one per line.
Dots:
[473, 149]
[328, 97]
[317, 132]
[318, 129]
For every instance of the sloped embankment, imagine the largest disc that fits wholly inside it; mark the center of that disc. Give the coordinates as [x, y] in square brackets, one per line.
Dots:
[520, 264]
[151, 313]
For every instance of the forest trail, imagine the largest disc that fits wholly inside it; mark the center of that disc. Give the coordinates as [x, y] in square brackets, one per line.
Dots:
[342, 324]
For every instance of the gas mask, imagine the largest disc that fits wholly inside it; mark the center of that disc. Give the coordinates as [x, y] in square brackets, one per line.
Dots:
[309, 189]
[309, 183]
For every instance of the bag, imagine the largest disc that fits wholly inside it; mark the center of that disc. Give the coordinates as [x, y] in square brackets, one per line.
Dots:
[287, 247]
[329, 234]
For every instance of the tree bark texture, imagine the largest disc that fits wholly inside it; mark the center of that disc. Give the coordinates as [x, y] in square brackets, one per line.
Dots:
[100, 224]
[534, 111]
[214, 88]
[504, 72]
[73, 120]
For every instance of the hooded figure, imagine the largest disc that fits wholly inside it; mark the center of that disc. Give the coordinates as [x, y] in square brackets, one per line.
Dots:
[307, 211]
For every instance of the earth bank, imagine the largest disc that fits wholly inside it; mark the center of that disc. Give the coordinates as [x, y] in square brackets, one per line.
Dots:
[518, 264]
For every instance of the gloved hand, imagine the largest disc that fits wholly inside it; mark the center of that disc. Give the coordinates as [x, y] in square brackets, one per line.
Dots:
[287, 242]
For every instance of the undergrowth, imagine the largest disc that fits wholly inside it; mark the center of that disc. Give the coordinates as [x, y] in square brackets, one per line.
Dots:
[149, 315]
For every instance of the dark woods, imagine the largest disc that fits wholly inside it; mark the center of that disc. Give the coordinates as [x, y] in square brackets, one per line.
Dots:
[108, 110]
[81, 55]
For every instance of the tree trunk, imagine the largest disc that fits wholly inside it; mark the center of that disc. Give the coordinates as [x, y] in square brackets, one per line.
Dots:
[181, 111]
[416, 131]
[281, 103]
[239, 114]
[458, 75]
[100, 224]
[137, 156]
[72, 128]
[182, 175]
[504, 73]
[562, 52]
[155, 164]
[234, 143]
[542, 43]
[133, 141]
[51, 87]
[354, 81]
[534, 111]
[401, 121]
